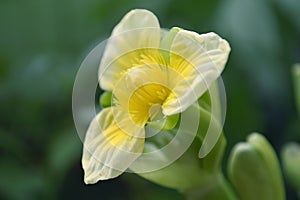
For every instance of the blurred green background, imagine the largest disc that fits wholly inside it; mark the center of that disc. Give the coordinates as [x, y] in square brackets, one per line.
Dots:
[43, 42]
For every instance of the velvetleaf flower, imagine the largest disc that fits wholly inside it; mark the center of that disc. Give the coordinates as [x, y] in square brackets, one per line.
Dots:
[152, 76]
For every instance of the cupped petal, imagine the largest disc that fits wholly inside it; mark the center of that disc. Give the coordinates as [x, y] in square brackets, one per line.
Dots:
[200, 59]
[152, 87]
[186, 91]
[108, 150]
[130, 41]
[204, 52]
[141, 89]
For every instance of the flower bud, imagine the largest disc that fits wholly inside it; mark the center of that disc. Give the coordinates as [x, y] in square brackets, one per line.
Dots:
[254, 170]
[291, 164]
[105, 99]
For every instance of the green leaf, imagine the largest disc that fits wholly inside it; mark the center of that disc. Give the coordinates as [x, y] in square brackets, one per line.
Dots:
[63, 151]
[19, 181]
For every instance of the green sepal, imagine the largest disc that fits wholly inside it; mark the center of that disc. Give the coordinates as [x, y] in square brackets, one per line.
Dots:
[105, 99]
[188, 172]
[195, 177]
[211, 117]
[166, 42]
[167, 123]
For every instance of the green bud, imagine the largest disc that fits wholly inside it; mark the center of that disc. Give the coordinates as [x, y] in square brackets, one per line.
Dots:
[105, 99]
[296, 75]
[291, 164]
[254, 170]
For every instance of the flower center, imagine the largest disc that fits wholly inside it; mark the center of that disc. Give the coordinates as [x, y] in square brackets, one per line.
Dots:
[146, 101]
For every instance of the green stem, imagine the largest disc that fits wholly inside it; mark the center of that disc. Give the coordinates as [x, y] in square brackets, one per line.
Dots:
[296, 77]
[219, 189]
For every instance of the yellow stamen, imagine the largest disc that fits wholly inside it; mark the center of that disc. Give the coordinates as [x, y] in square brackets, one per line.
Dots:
[145, 102]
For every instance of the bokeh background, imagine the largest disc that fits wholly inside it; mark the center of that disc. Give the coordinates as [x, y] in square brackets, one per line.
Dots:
[43, 42]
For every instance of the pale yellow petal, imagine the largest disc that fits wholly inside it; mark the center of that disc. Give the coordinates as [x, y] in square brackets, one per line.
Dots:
[130, 41]
[205, 52]
[200, 59]
[108, 150]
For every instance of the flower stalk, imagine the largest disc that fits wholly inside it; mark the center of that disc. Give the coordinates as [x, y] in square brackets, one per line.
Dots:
[296, 77]
[218, 189]
[194, 177]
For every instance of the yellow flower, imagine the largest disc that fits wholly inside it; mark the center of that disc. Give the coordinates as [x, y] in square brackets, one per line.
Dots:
[153, 75]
